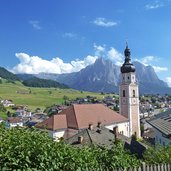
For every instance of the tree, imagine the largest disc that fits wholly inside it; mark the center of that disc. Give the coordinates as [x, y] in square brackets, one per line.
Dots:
[30, 149]
[158, 155]
[2, 108]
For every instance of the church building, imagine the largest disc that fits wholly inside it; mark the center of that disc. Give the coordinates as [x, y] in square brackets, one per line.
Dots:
[129, 95]
[79, 117]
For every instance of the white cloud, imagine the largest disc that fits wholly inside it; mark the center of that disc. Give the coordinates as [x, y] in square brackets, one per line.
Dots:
[35, 24]
[103, 22]
[70, 35]
[156, 4]
[147, 59]
[160, 69]
[115, 56]
[111, 54]
[168, 79]
[34, 64]
[99, 50]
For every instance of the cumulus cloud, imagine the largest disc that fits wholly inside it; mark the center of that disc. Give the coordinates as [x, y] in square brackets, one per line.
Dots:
[111, 54]
[115, 56]
[149, 60]
[103, 22]
[34, 64]
[35, 24]
[157, 4]
[99, 50]
[168, 79]
[159, 69]
[70, 35]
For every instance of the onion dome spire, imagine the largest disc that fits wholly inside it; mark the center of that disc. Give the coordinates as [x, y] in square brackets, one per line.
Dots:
[127, 66]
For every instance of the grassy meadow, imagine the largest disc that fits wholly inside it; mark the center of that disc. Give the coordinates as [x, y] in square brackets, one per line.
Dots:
[39, 97]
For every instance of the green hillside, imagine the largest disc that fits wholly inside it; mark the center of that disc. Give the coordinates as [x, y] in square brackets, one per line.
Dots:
[7, 75]
[37, 82]
[38, 97]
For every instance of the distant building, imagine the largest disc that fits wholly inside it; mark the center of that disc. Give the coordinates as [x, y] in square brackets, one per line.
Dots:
[23, 113]
[13, 122]
[7, 103]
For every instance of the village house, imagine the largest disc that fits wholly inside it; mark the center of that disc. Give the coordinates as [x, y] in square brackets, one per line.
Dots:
[161, 124]
[7, 103]
[23, 113]
[98, 135]
[1, 120]
[13, 122]
[80, 116]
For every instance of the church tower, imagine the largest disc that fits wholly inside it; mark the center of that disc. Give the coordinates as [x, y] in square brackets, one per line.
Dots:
[129, 95]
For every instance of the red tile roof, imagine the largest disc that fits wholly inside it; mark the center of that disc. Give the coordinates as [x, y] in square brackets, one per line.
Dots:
[55, 122]
[81, 115]
[14, 120]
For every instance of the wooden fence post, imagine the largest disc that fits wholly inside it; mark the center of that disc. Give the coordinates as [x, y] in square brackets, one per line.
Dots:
[143, 166]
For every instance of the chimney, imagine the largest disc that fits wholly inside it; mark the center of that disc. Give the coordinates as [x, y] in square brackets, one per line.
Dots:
[80, 139]
[99, 131]
[115, 131]
[99, 124]
[90, 127]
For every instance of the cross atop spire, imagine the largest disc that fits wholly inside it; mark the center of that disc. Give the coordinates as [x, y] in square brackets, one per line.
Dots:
[127, 65]
[126, 44]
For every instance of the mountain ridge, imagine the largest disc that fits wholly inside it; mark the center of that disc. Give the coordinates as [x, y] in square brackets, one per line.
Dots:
[104, 76]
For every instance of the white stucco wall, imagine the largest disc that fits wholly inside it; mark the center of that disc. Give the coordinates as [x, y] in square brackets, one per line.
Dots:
[56, 134]
[160, 139]
[123, 128]
[10, 125]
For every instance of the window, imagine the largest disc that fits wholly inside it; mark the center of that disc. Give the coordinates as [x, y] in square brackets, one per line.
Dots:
[164, 144]
[128, 78]
[133, 93]
[123, 93]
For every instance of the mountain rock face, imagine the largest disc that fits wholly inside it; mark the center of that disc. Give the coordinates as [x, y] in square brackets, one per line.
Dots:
[104, 76]
[148, 80]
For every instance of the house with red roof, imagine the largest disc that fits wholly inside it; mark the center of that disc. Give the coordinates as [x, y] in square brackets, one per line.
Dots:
[13, 122]
[81, 116]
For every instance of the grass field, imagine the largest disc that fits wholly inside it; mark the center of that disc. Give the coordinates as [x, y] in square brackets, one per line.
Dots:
[39, 97]
[3, 115]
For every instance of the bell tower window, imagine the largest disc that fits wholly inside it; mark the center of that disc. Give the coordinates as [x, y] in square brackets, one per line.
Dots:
[123, 93]
[133, 93]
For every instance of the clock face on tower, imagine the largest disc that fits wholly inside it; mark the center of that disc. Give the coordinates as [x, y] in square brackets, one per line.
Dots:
[134, 101]
[123, 101]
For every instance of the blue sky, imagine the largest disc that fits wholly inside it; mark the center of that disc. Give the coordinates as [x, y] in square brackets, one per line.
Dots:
[62, 36]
